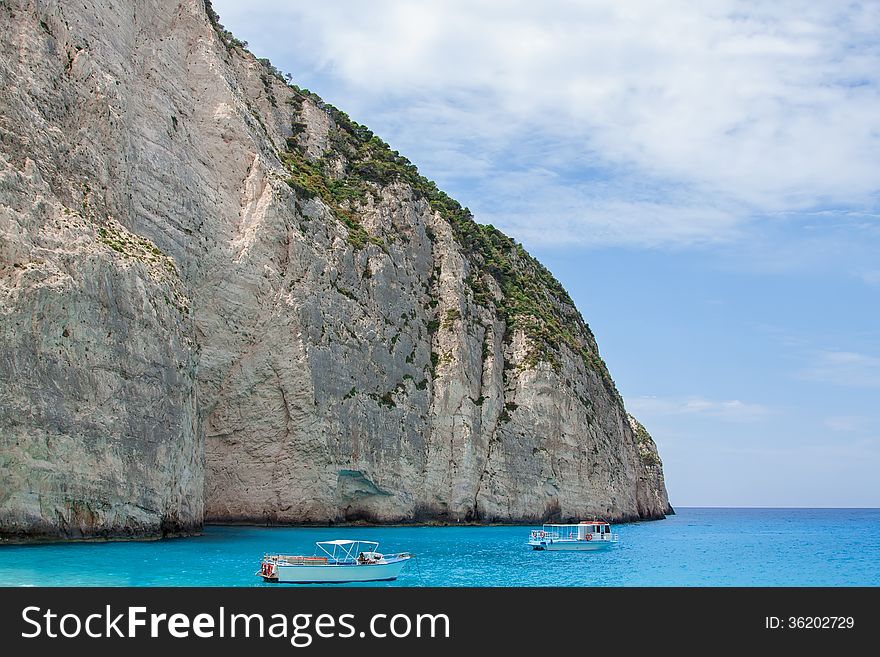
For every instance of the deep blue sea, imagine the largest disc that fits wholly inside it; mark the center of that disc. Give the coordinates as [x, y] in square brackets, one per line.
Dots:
[696, 547]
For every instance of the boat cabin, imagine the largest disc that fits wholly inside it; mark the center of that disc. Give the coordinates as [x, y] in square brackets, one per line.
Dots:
[585, 530]
[593, 527]
[585, 535]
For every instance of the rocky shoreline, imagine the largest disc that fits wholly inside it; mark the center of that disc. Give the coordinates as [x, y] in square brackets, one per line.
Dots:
[236, 522]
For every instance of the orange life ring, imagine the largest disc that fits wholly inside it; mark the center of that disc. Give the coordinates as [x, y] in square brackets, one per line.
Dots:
[542, 534]
[588, 537]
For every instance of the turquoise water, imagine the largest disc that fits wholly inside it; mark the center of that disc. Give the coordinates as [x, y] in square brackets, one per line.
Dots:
[697, 547]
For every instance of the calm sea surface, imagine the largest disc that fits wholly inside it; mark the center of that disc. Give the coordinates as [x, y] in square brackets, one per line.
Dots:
[697, 547]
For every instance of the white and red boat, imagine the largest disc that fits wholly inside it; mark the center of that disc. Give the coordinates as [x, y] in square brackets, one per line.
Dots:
[334, 562]
[586, 535]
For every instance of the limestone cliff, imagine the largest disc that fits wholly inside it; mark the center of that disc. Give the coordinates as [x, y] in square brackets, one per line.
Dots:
[222, 299]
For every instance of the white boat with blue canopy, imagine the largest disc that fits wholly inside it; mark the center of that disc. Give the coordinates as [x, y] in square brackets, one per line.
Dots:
[586, 535]
[334, 562]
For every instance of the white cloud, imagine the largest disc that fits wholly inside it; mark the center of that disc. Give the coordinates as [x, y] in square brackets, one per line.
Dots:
[732, 410]
[541, 205]
[845, 423]
[844, 368]
[699, 115]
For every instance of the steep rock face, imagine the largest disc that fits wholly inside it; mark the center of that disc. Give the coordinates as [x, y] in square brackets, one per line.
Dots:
[651, 473]
[211, 282]
[99, 432]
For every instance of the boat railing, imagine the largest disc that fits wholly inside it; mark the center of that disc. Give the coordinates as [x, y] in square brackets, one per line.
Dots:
[543, 535]
[297, 559]
[602, 537]
[399, 555]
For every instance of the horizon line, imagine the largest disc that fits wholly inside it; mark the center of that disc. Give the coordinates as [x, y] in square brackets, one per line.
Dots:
[805, 508]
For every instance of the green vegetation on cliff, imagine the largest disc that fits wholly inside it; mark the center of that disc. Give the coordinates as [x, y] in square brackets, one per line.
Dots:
[359, 162]
[645, 444]
[531, 298]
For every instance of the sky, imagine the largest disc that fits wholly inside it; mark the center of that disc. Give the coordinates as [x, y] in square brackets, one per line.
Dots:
[703, 178]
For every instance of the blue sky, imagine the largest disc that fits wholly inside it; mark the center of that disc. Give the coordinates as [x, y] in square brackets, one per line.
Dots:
[702, 177]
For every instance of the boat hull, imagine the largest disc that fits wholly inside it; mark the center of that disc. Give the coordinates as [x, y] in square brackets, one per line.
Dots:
[571, 546]
[337, 573]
